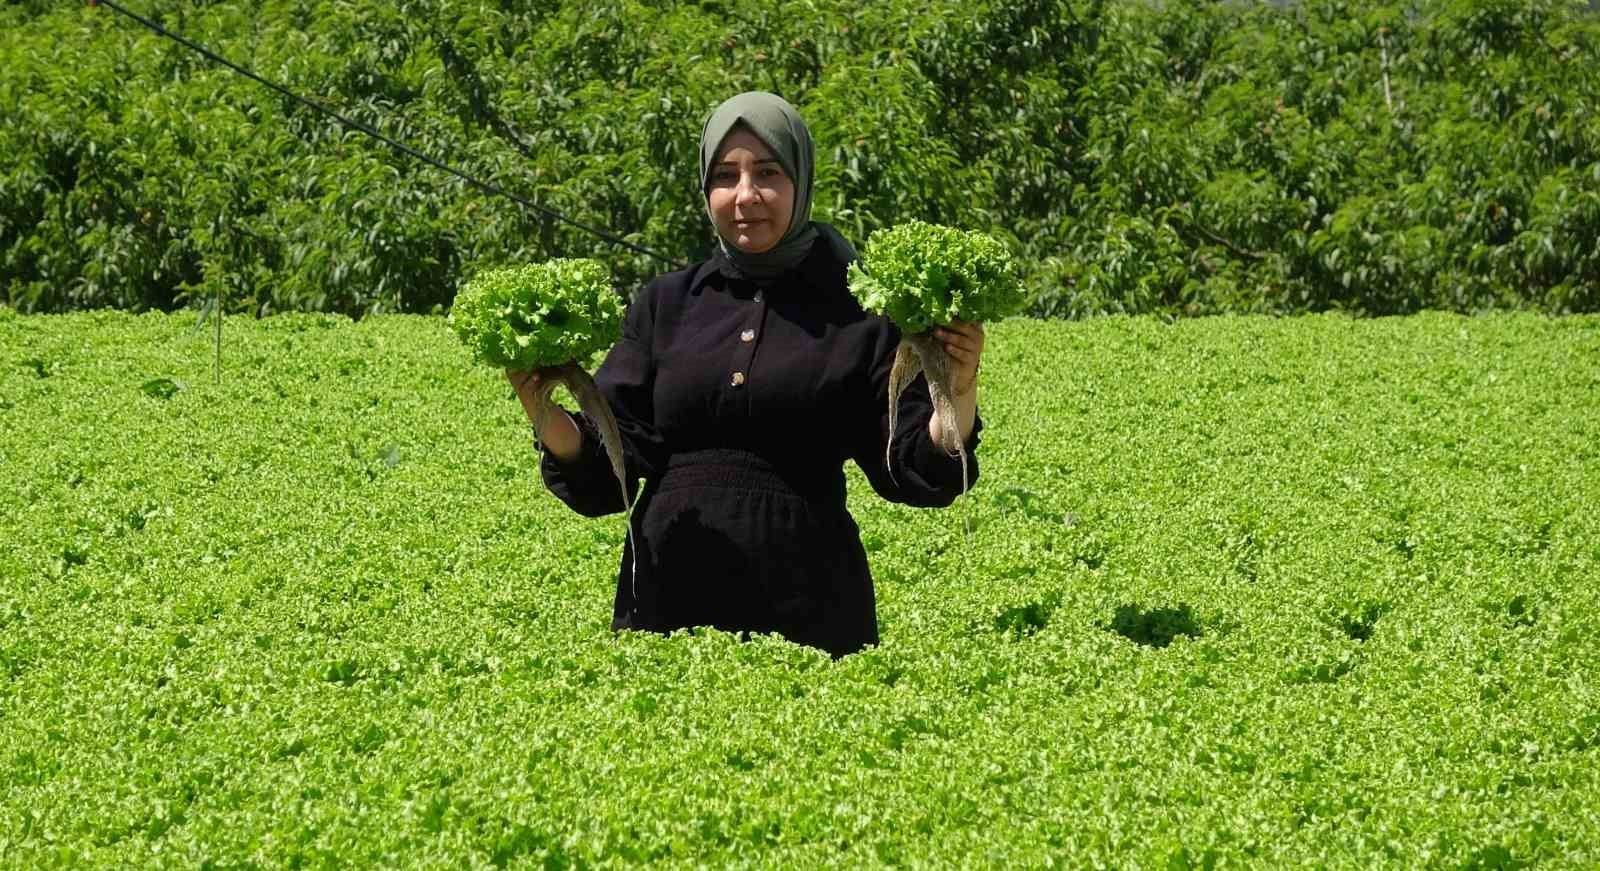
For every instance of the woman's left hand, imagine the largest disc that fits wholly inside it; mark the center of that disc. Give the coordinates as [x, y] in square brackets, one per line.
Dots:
[963, 341]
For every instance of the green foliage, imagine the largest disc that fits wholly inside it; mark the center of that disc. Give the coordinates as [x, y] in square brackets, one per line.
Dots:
[322, 613]
[922, 275]
[1369, 156]
[1182, 157]
[537, 315]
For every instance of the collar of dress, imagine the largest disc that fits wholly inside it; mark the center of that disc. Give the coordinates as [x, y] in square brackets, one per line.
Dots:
[817, 270]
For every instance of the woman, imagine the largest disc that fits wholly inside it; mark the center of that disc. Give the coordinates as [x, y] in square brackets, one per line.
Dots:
[741, 385]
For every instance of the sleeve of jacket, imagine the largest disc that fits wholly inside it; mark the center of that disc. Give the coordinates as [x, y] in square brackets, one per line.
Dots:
[626, 381]
[919, 472]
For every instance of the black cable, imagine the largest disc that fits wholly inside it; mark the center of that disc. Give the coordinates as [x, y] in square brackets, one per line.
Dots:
[398, 146]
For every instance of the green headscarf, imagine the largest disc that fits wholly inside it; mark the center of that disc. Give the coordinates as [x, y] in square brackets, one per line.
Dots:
[778, 126]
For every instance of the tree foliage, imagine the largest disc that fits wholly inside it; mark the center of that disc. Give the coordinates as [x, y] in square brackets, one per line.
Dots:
[1181, 157]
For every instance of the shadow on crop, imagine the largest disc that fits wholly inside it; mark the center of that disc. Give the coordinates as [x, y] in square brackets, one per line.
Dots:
[1024, 620]
[1359, 622]
[1155, 627]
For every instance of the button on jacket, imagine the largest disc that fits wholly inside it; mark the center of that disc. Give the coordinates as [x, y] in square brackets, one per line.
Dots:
[738, 406]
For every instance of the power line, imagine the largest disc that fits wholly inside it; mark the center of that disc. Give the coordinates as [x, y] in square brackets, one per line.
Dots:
[353, 124]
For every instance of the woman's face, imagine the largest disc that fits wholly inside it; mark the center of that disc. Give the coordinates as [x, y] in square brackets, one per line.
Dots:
[751, 198]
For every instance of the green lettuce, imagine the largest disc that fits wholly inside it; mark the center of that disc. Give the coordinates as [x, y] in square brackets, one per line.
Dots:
[532, 316]
[922, 275]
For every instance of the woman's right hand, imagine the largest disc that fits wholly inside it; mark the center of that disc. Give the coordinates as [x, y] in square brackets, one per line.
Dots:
[552, 425]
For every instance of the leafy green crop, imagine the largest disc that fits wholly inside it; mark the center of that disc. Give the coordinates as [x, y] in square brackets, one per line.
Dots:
[551, 316]
[537, 315]
[1241, 593]
[921, 275]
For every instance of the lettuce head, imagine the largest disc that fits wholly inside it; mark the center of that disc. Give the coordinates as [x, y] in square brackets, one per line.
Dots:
[922, 275]
[535, 315]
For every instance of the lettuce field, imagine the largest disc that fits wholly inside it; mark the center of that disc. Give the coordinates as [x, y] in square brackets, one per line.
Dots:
[1233, 591]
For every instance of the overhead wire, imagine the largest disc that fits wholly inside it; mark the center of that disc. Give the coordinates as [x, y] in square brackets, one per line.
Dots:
[353, 124]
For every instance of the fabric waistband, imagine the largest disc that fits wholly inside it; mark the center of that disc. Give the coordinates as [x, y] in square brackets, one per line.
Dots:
[746, 470]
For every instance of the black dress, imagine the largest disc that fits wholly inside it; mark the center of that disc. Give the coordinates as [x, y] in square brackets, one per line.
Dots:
[738, 405]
